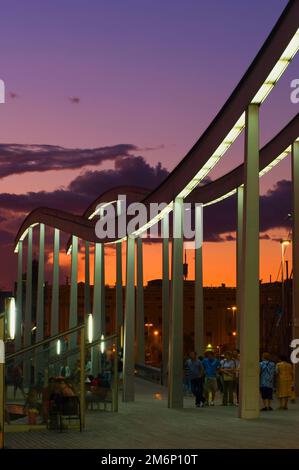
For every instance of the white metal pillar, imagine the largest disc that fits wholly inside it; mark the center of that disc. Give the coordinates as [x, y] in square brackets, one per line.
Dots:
[129, 333]
[175, 381]
[103, 292]
[19, 302]
[295, 320]
[55, 286]
[199, 346]
[140, 356]
[87, 303]
[119, 287]
[28, 309]
[97, 306]
[73, 318]
[165, 297]
[40, 285]
[249, 291]
[40, 301]
[240, 198]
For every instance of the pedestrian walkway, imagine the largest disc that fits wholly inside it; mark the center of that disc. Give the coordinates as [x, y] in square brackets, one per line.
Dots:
[148, 423]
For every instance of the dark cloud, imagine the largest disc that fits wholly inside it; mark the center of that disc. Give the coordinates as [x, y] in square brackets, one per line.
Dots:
[150, 149]
[13, 95]
[229, 238]
[74, 99]
[85, 188]
[219, 219]
[62, 199]
[275, 206]
[265, 236]
[133, 171]
[80, 193]
[18, 158]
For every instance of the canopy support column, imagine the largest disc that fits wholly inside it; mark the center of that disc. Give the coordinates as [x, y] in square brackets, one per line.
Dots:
[249, 289]
[129, 333]
[198, 294]
[175, 391]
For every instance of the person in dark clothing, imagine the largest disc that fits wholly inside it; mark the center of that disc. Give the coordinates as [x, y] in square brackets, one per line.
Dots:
[196, 376]
[18, 380]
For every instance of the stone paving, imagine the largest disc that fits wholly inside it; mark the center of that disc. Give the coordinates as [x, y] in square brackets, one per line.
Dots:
[149, 424]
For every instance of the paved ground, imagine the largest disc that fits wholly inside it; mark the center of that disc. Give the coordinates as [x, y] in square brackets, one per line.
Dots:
[149, 424]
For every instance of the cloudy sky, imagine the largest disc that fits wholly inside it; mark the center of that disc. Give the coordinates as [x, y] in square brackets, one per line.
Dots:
[102, 93]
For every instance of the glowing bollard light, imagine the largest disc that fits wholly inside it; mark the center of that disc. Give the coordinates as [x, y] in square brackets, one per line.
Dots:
[11, 317]
[102, 344]
[90, 328]
[58, 347]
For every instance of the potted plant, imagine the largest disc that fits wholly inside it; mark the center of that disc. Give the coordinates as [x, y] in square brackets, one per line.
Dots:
[32, 405]
[32, 415]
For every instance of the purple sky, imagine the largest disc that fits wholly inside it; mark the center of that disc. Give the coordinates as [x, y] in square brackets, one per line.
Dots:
[149, 73]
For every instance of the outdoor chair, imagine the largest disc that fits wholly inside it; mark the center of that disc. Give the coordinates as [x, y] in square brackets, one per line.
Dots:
[97, 396]
[64, 409]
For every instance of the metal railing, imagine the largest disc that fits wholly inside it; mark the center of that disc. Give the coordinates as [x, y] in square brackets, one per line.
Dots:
[81, 350]
[147, 372]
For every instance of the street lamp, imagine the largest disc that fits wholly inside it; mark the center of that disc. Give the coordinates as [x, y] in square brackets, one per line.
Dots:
[234, 326]
[233, 309]
[148, 325]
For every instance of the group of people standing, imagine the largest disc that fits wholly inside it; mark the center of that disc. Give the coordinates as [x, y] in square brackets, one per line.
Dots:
[276, 376]
[203, 376]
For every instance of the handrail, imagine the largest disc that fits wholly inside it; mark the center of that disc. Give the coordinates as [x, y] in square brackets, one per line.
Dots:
[100, 340]
[42, 343]
[153, 374]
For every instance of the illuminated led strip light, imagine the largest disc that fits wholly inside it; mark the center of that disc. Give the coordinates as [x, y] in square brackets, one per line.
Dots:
[24, 235]
[154, 220]
[219, 152]
[275, 162]
[202, 173]
[220, 198]
[278, 69]
[259, 98]
[98, 209]
[265, 170]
